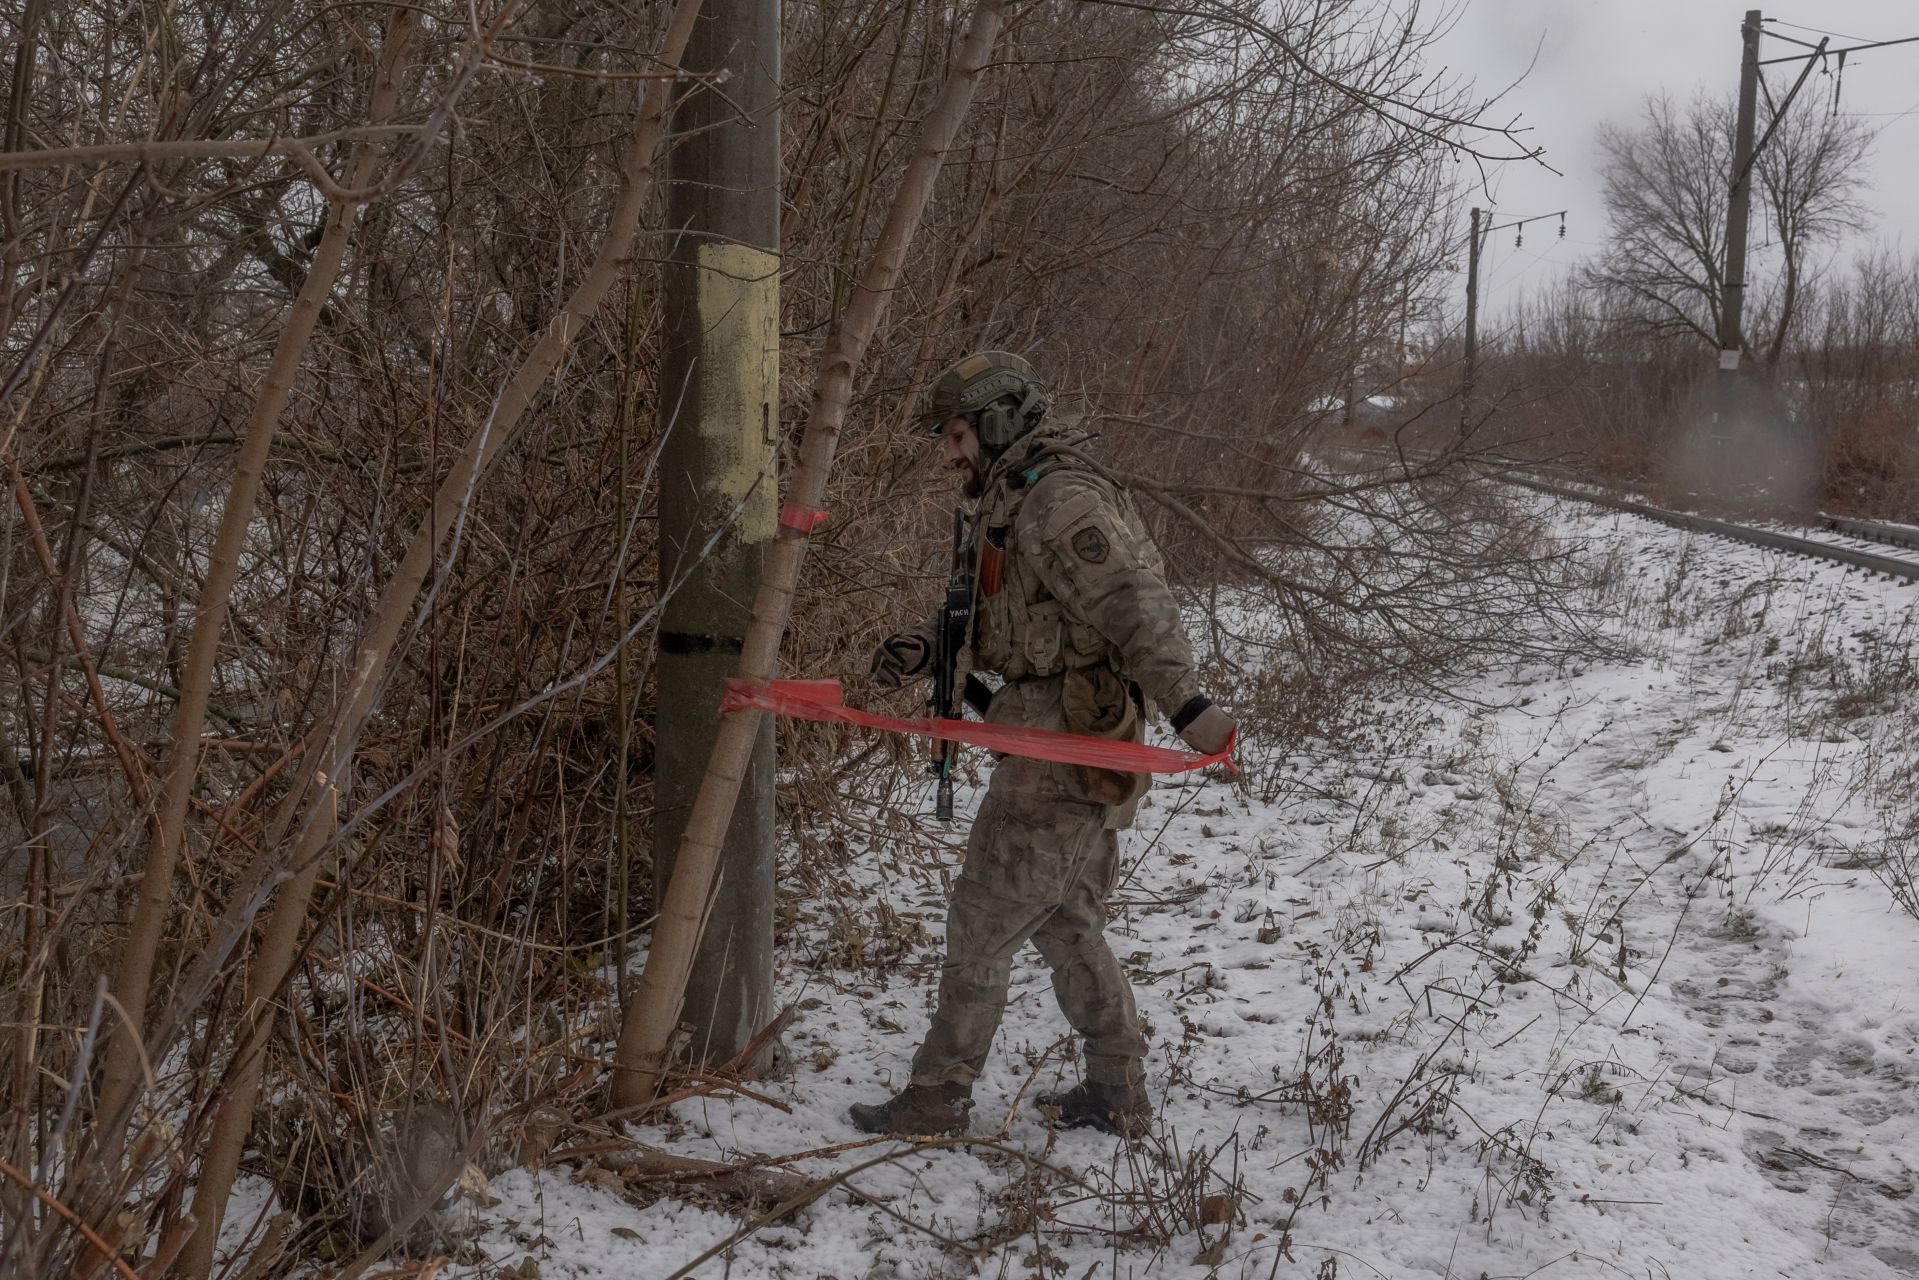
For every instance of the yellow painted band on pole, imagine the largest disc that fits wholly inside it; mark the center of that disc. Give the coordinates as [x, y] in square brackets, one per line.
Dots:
[737, 379]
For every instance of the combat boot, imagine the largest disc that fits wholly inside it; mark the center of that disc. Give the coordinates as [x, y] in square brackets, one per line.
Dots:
[919, 1110]
[1119, 1109]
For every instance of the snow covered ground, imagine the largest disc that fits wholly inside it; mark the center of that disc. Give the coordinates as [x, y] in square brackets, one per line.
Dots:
[1594, 981]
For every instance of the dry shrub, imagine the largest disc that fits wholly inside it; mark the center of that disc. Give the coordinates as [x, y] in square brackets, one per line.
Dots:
[1871, 462]
[1896, 864]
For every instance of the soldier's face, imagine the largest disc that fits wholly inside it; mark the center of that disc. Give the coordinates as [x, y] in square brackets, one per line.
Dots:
[961, 444]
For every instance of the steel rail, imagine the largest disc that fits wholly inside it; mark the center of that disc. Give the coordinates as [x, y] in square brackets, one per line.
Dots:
[1898, 535]
[1890, 565]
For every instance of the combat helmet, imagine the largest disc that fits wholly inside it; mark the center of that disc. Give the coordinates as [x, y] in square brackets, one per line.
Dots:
[998, 392]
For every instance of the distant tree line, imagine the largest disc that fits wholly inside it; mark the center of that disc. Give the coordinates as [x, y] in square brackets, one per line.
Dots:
[1618, 361]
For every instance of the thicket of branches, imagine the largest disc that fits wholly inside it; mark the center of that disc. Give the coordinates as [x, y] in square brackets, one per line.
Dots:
[1197, 222]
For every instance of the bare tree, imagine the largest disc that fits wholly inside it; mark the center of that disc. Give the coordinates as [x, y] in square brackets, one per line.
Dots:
[1665, 193]
[1810, 178]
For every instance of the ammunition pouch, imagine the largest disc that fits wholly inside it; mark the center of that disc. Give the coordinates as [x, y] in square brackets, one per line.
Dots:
[1097, 702]
[1028, 640]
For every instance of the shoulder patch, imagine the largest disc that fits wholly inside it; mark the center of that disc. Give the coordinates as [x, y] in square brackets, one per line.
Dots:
[1061, 500]
[1089, 544]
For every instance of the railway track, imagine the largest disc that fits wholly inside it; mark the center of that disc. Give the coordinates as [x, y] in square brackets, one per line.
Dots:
[1899, 536]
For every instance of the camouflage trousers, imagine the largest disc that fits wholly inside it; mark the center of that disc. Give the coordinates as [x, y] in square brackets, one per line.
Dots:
[1039, 867]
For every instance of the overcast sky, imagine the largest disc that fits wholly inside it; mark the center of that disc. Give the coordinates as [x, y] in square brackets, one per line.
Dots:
[1596, 59]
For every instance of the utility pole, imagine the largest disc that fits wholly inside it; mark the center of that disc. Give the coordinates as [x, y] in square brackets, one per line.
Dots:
[1478, 235]
[1472, 328]
[1732, 287]
[719, 413]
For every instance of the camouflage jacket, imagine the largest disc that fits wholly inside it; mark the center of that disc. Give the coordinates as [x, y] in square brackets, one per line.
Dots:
[1067, 577]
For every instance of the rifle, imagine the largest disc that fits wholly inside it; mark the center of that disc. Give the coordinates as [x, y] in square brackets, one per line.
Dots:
[949, 637]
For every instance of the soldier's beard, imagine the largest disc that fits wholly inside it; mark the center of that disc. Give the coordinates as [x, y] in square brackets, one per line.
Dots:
[966, 455]
[972, 475]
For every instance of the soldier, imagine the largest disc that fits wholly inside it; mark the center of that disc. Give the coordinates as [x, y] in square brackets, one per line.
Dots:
[1072, 610]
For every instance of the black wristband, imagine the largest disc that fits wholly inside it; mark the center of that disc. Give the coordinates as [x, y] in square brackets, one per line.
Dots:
[1196, 706]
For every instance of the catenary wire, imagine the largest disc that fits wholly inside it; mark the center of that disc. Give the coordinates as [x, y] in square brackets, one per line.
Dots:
[1818, 31]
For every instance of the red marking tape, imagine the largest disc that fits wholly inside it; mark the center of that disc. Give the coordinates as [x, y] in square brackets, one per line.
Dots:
[822, 700]
[800, 518]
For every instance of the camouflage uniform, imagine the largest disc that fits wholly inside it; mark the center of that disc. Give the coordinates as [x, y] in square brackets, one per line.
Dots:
[1072, 610]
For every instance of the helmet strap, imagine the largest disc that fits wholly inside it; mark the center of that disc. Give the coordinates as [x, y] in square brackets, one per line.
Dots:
[1032, 407]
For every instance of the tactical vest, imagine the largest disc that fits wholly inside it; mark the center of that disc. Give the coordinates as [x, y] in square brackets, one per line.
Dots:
[1020, 629]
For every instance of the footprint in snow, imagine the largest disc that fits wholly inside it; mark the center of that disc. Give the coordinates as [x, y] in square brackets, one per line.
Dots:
[1832, 1097]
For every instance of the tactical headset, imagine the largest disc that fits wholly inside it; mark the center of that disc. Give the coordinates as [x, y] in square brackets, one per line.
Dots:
[999, 424]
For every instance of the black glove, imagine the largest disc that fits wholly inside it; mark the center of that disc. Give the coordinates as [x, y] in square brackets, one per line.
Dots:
[900, 658]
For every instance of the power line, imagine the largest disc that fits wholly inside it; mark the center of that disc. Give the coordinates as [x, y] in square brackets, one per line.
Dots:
[1881, 115]
[1803, 44]
[1818, 31]
[1851, 48]
[1521, 223]
[1820, 52]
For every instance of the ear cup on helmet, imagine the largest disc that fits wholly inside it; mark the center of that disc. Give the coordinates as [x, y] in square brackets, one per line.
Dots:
[996, 427]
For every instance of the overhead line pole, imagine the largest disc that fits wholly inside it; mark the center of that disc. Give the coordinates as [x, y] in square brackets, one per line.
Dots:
[1732, 285]
[1472, 329]
[1732, 292]
[1471, 371]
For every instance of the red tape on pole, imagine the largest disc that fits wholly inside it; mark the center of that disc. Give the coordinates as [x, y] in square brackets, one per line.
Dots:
[801, 518]
[822, 700]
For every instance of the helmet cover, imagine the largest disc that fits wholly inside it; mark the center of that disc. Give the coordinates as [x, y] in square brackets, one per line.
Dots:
[999, 392]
